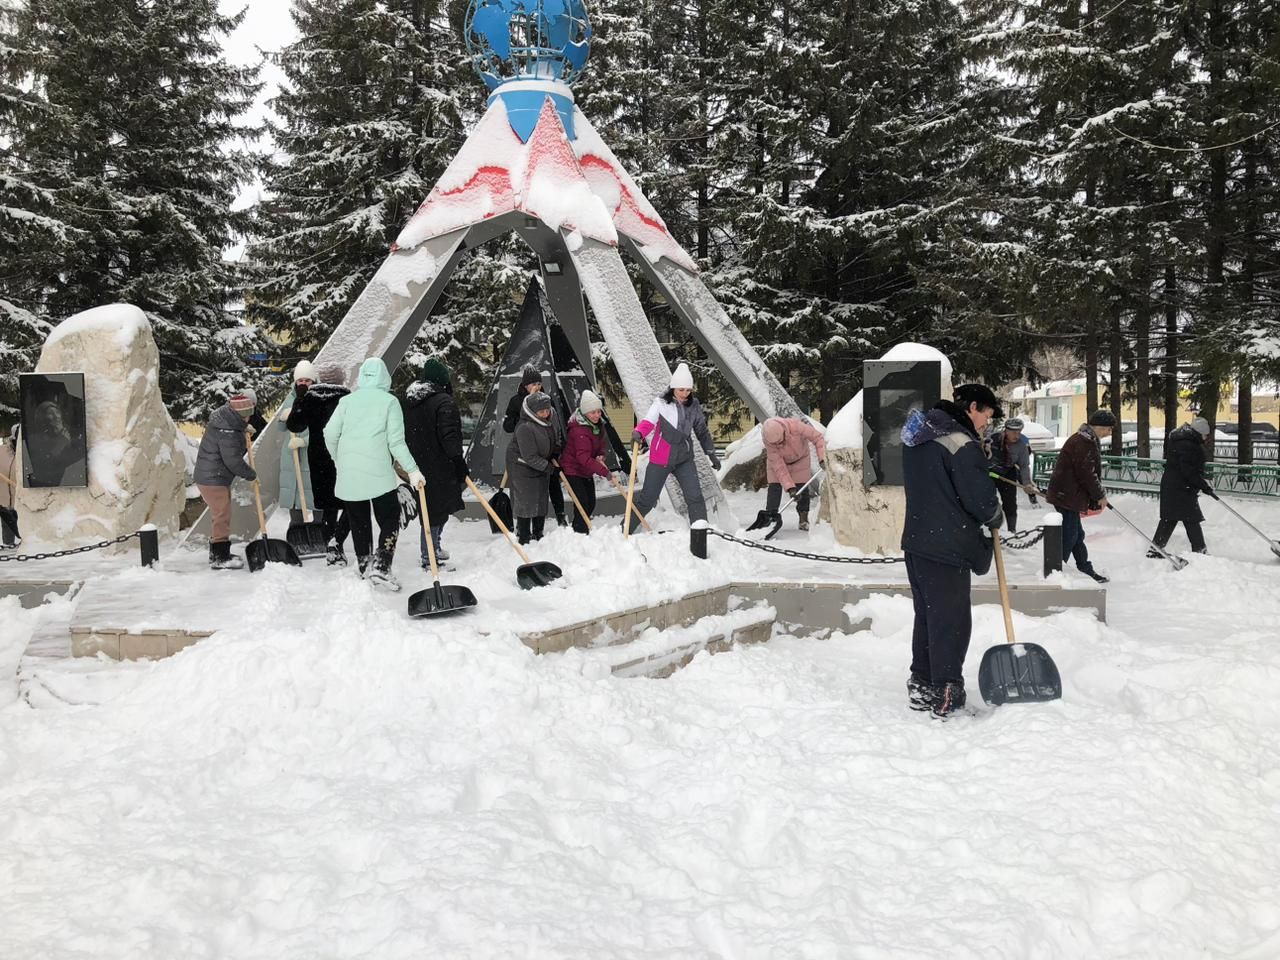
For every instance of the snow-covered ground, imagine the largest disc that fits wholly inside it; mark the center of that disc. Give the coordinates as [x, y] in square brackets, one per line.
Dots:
[329, 779]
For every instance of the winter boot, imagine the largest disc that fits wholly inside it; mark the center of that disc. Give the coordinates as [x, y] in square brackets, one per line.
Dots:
[804, 519]
[921, 694]
[362, 565]
[540, 523]
[1090, 572]
[380, 574]
[950, 700]
[334, 556]
[523, 525]
[561, 520]
[220, 557]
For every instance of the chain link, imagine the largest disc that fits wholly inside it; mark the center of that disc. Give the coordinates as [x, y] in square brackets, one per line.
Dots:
[1018, 541]
[65, 553]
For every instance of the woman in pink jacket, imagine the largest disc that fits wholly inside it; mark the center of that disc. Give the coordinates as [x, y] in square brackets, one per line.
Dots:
[786, 450]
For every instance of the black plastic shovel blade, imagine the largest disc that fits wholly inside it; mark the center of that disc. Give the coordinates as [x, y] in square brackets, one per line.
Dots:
[440, 599]
[1018, 673]
[1275, 547]
[307, 539]
[762, 520]
[540, 573]
[500, 503]
[258, 553]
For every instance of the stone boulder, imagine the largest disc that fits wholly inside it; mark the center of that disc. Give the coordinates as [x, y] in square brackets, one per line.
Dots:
[136, 470]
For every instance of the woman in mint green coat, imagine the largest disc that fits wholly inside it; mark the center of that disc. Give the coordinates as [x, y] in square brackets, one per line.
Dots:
[365, 435]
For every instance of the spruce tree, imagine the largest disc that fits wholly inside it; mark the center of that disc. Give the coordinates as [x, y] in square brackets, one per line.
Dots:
[118, 170]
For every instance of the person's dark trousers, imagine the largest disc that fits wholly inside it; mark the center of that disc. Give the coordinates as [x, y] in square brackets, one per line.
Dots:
[336, 526]
[556, 493]
[1009, 500]
[386, 510]
[773, 499]
[655, 477]
[530, 528]
[1195, 533]
[9, 534]
[943, 621]
[1073, 539]
[584, 489]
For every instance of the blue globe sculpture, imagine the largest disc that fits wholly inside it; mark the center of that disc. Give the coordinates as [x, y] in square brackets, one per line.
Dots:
[527, 39]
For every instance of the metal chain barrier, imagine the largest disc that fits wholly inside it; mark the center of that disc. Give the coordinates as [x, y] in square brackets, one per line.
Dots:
[66, 553]
[769, 548]
[1018, 541]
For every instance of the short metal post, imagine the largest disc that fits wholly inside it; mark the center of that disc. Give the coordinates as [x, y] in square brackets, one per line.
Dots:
[149, 544]
[698, 539]
[1052, 543]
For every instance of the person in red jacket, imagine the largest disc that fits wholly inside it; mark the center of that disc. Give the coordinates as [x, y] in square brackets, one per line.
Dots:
[786, 453]
[583, 457]
[1076, 486]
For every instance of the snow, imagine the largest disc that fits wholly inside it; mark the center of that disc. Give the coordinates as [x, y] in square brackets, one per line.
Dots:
[324, 777]
[125, 319]
[845, 429]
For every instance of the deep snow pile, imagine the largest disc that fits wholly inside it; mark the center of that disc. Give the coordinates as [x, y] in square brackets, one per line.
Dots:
[328, 778]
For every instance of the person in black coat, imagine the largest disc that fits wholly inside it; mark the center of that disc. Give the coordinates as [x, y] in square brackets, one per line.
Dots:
[950, 500]
[433, 431]
[311, 411]
[1182, 484]
[531, 383]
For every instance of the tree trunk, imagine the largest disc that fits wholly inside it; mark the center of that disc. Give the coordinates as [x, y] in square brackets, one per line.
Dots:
[1116, 387]
[1171, 392]
[1142, 382]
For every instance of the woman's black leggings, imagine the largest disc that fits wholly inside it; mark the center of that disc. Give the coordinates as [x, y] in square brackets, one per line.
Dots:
[386, 509]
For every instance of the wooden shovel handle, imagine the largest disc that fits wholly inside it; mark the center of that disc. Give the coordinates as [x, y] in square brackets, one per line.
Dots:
[302, 492]
[631, 489]
[1004, 586]
[503, 484]
[426, 529]
[568, 486]
[257, 493]
[496, 519]
[636, 510]
[8, 481]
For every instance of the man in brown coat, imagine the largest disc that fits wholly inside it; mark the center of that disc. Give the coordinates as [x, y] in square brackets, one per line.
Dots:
[1076, 486]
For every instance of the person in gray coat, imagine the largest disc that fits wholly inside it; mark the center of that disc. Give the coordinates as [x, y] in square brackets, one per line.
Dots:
[529, 464]
[1011, 459]
[219, 461]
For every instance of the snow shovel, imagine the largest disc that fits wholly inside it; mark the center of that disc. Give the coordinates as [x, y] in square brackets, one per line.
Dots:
[501, 504]
[1015, 672]
[778, 516]
[581, 512]
[436, 599]
[306, 536]
[258, 553]
[531, 574]
[1178, 562]
[631, 490]
[8, 481]
[636, 510]
[1273, 544]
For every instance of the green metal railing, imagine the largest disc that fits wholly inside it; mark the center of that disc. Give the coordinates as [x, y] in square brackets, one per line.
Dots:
[1142, 475]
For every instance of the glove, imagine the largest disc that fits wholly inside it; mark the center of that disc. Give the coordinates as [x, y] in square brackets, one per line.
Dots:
[996, 522]
[296, 442]
[416, 479]
[253, 475]
[791, 491]
[638, 438]
[822, 464]
[408, 505]
[460, 470]
[1209, 491]
[715, 461]
[284, 414]
[1034, 501]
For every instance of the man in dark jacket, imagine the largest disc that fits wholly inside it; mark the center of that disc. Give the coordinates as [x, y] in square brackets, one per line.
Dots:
[1011, 459]
[950, 500]
[433, 431]
[1182, 484]
[219, 461]
[1076, 486]
[309, 414]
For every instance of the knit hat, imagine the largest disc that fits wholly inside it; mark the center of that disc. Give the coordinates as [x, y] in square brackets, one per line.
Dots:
[537, 402]
[530, 375]
[435, 372]
[1201, 426]
[1013, 423]
[773, 431]
[589, 402]
[333, 375]
[243, 402]
[306, 370]
[682, 379]
[1102, 418]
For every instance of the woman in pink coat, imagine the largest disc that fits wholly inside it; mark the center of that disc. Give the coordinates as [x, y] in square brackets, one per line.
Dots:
[786, 450]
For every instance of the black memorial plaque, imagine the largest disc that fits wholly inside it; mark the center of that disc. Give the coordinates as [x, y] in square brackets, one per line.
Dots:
[54, 449]
[891, 389]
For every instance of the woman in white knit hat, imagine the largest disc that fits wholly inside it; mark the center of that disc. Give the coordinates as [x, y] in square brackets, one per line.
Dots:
[671, 424]
[305, 376]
